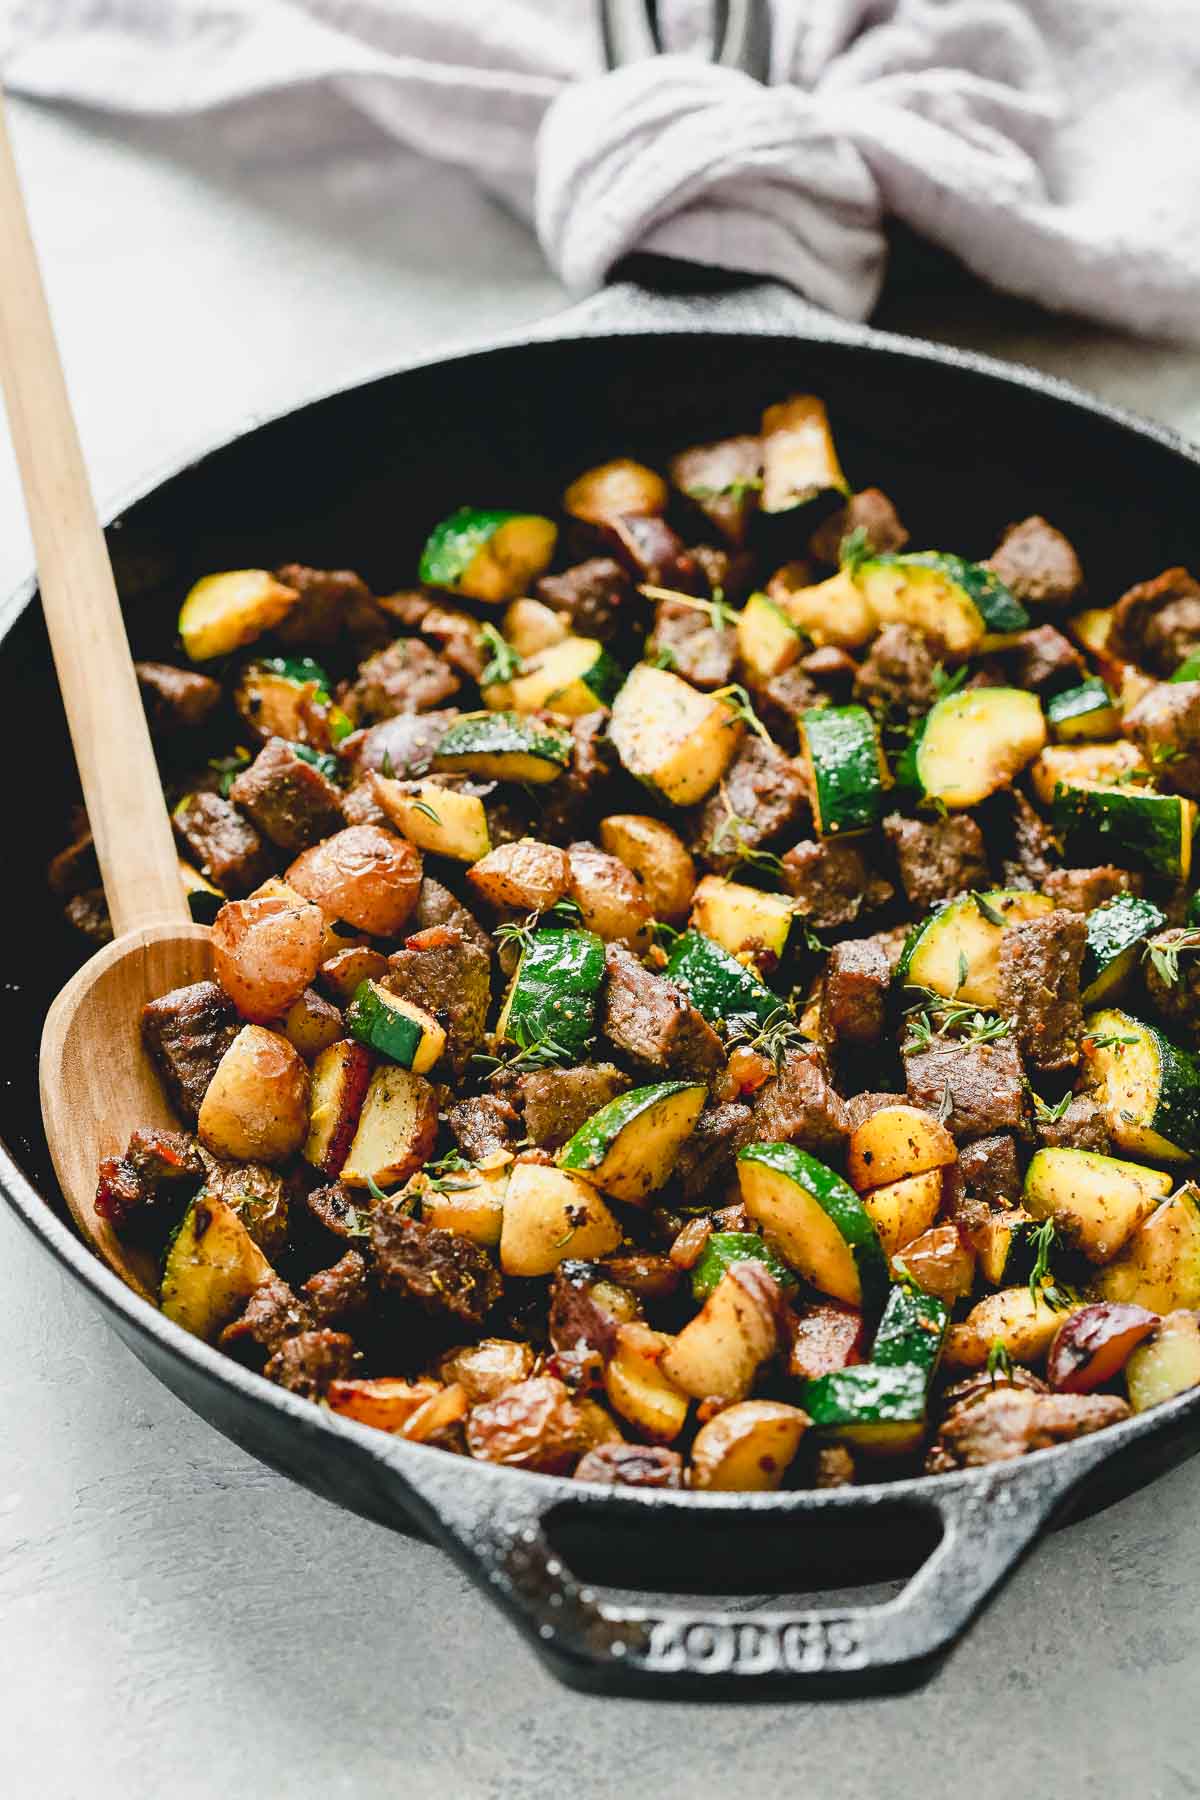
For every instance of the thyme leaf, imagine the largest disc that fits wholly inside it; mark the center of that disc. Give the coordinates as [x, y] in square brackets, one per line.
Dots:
[229, 768]
[1164, 953]
[721, 616]
[504, 665]
[945, 683]
[999, 1362]
[771, 1038]
[935, 1016]
[423, 806]
[986, 910]
[1050, 1115]
[739, 703]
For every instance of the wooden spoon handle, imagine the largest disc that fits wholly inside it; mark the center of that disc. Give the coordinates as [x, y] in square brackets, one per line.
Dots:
[79, 596]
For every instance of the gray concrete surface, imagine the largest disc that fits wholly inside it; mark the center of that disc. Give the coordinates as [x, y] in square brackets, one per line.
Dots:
[176, 1620]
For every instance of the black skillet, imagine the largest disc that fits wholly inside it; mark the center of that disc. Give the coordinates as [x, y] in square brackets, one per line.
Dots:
[964, 445]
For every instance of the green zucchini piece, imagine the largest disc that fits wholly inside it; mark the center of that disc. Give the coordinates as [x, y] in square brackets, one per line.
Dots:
[554, 992]
[574, 677]
[724, 1248]
[847, 773]
[1160, 1265]
[1004, 1241]
[878, 1408]
[1097, 1202]
[1148, 1086]
[716, 983]
[912, 1330]
[955, 951]
[768, 641]
[1116, 932]
[816, 1221]
[1166, 1364]
[212, 1267]
[204, 900]
[1188, 670]
[301, 670]
[487, 554]
[629, 1147]
[397, 1028]
[939, 595]
[224, 612]
[1086, 711]
[973, 742]
[1126, 824]
[320, 759]
[799, 458]
[505, 746]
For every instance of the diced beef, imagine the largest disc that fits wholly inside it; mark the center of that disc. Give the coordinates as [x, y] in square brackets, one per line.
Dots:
[937, 858]
[342, 1211]
[834, 1467]
[176, 699]
[854, 992]
[332, 601]
[482, 1125]
[1165, 726]
[1157, 623]
[436, 905]
[442, 971]
[729, 573]
[1043, 659]
[799, 1105]
[984, 1085]
[825, 1337]
[833, 669]
[557, 1101]
[780, 701]
[832, 883]
[575, 1321]
[532, 1425]
[75, 869]
[897, 676]
[260, 1196]
[592, 596]
[1082, 1127]
[153, 1160]
[360, 806]
[455, 633]
[647, 1273]
[723, 479]
[88, 913]
[762, 797]
[1009, 1421]
[223, 845]
[861, 1107]
[407, 677]
[650, 1020]
[571, 796]
[705, 1162]
[271, 1316]
[442, 1271]
[698, 650]
[187, 1032]
[1040, 960]
[1036, 562]
[307, 1363]
[1083, 890]
[990, 1169]
[402, 746]
[632, 1465]
[655, 552]
[1031, 841]
[870, 511]
[289, 799]
[336, 1294]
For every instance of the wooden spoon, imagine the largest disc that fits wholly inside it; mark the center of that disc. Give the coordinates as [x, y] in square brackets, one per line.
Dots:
[96, 1082]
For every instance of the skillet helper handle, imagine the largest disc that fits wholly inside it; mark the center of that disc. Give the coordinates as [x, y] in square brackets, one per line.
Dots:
[79, 596]
[988, 1518]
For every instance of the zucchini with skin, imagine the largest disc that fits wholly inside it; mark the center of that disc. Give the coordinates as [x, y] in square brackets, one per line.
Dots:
[204, 899]
[554, 992]
[212, 1267]
[629, 1147]
[673, 738]
[1097, 1202]
[1116, 934]
[769, 641]
[1159, 1268]
[505, 746]
[912, 1330]
[1167, 1365]
[1083, 713]
[224, 612]
[1148, 1086]
[397, 1028]
[1086, 765]
[743, 920]
[878, 1408]
[487, 554]
[1127, 825]
[941, 596]
[847, 774]
[966, 935]
[799, 459]
[816, 1221]
[444, 821]
[717, 984]
[574, 677]
[724, 1248]
[972, 743]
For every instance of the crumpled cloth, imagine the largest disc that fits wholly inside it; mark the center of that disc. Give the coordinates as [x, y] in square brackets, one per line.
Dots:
[1053, 146]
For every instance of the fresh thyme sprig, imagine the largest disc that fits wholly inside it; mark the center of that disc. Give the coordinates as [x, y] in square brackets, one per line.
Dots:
[1042, 1284]
[505, 665]
[1050, 1115]
[440, 1174]
[729, 839]
[737, 489]
[525, 1053]
[1164, 954]
[855, 548]
[721, 616]
[771, 1038]
[1109, 1040]
[736, 698]
[986, 910]
[999, 1362]
[935, 1016]
[946, 682]
[664, 658]
[521, 931]
[229, 768]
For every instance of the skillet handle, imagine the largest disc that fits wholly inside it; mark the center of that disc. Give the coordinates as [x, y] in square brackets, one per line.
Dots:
[988, 1520]
[654, 293]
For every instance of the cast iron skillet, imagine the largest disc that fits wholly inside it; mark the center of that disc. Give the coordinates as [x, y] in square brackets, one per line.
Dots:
[964, 445]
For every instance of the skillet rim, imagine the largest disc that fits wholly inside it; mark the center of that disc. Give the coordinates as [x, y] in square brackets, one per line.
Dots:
[686, 319]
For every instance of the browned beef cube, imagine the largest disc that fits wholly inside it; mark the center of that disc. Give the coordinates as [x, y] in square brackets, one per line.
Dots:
[632, 1465]
[336, 1294]
[1082, 1127]
[896, 677]
[572, 794]
[407, 677]
[290, 800]
[361, 805]
[443, 1272]
[869, 510]
[557, 1101]
[260, 1196]
[223, 845]
[575, 1321]
[1034, 850]
[705, 1162]
[649, 1020]
[332, 601]
[1036, 562]
[780, 701]
[450, 976]
[832, 884]
[88, 913]
[1043, 659]
[724, 480]
[187, 1032]
[655, 553]
[482, 1125]
[1165, 725]
[834, 1467]
[1040, 960]
[271, 1316]
[991, 1170]
[1157, 623]
[762, 797]
[402, 746]
[694, 647]
[1177, 999]
[342, 1211]
[861, 1107]
[74, 870]
[455, 634]
[592, 596]
[119, 1193]
[1011, 1421]
[854, 993]
[307, 1363]
[729, 573]
[1082, 890]
[176, 699]
[436, 905]
[798, 1106]
[983, 1085]
[153, 1160]
[833, 669]
[937, 858]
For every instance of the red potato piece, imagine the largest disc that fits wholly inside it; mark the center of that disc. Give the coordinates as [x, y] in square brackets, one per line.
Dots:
[340, 1077]
[940, 1263]
[256, 1106]
[1093, 1345]
[266, 951]
[344, 972]
[826, 1338]
[311, 1024]
[364, 875]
